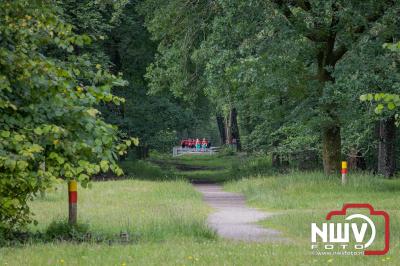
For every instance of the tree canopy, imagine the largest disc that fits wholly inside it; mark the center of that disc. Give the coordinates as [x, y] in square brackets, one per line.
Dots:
[309, 82]
[294, 70]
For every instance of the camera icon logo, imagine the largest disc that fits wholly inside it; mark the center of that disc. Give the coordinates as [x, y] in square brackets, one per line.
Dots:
[335, 238]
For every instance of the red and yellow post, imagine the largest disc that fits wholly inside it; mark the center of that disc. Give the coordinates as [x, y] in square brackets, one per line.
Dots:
[344, 172]
[72, 201]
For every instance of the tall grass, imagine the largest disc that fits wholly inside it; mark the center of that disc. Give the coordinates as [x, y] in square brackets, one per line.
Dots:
[305, 190]
[179, 253]
[145, 170]
[246, 166]
[147, 211]
[166, 219]
[301, 198]
[217, 168]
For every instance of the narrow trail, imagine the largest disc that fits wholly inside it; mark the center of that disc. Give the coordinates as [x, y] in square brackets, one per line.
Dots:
[232, 219]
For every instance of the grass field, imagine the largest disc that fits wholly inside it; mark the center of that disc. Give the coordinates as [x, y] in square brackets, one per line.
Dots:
[302, 198]
[148, 211]
[165, 220]
[186, 167]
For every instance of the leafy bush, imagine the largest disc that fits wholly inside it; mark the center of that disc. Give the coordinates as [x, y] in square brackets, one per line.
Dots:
[61, 230]
[252, 166]
[226, 150]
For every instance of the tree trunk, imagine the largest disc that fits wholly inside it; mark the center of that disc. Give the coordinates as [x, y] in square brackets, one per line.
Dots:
[356, 160]
[386, 152]
[232, 129]
[142, 151]
[221, 128]
[331, 141]
[235, 128]
[331, 149]
[228, 131]
[276, 160]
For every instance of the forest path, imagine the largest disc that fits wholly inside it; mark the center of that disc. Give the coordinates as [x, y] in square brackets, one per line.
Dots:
[232, 219]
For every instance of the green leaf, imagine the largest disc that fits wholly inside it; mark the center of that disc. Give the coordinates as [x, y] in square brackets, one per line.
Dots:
[36, 148]
[69, 174]
[391, 106]
[83, 176]
[10, 164]
[60, 160]
[118, 171]
[135, 141]
[5, 134]
[18, 138]
[379, 108]
[104, 165]
[38, 131]
[22, 165]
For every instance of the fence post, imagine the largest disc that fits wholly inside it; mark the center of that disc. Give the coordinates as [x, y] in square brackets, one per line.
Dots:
[72, 202]
[344, 173]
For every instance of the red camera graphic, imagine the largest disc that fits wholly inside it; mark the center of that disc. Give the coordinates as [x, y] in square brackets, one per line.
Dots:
[372, 212]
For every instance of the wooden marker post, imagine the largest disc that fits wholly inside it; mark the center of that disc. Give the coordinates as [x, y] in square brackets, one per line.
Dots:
[72, 202]
[344, 173]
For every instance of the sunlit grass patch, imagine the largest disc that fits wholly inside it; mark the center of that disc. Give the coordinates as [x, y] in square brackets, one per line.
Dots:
[314, 190]
[148, 211]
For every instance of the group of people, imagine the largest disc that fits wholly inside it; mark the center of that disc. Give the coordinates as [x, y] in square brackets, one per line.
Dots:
[197, 144]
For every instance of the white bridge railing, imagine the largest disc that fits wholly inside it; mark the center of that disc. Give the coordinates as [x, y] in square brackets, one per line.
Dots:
[178, 151]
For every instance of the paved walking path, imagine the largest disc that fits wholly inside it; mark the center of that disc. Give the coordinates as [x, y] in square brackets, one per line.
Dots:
[232, 219]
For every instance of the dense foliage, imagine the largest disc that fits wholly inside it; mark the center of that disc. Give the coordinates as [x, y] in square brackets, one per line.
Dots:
[49, 125]
[293, 70]
[123, 43]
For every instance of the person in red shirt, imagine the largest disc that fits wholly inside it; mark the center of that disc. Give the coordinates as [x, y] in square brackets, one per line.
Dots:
[190, 144]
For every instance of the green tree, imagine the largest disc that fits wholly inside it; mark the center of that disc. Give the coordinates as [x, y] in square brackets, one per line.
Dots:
[385, 101]
[49, 126]
[158, 118]
[281, 64]
[331, 29]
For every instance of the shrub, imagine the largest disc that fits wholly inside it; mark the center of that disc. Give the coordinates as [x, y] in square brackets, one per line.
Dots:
[252, 166]
[226, 150]
[61, 230]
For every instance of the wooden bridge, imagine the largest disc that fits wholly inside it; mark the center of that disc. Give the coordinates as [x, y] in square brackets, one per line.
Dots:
[178, 151]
